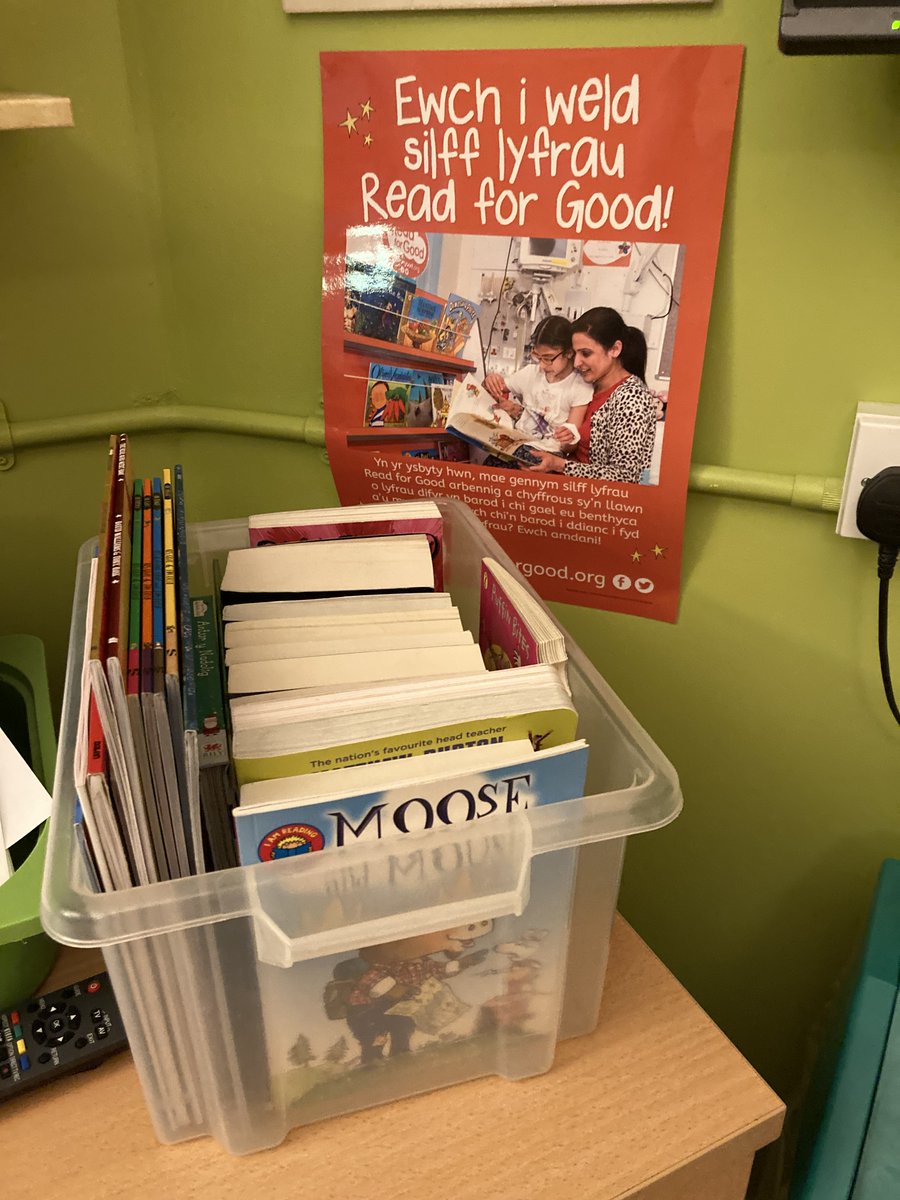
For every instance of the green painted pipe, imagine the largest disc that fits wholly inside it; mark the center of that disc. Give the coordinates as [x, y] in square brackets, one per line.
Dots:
[814, 492]
[165, 418]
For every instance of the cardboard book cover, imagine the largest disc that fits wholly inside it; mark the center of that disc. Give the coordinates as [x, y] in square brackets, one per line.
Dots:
[292, 829]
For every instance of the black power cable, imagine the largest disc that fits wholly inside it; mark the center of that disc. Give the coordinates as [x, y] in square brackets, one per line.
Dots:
[878, 518]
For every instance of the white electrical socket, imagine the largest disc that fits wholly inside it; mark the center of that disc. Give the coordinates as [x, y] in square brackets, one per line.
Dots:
[875, 444]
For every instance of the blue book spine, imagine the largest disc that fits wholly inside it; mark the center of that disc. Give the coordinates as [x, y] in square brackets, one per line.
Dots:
[546, 777]
[182, 584]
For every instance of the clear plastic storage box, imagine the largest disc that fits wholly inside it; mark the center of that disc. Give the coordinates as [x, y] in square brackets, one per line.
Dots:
[234, 985]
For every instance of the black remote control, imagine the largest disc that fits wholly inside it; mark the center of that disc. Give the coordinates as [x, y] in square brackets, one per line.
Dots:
[71, 1029]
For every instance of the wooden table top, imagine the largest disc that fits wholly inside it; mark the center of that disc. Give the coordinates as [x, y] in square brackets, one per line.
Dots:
[651, 1092]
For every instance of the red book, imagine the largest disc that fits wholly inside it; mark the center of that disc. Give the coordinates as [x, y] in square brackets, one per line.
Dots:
[115, 624]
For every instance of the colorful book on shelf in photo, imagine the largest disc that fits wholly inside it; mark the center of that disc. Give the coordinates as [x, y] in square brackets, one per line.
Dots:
[296, 733]
[514, 629]
[457, 323]
[359, 521]
[421, 320]
[281, 818]
[399, 396]
[380, 296]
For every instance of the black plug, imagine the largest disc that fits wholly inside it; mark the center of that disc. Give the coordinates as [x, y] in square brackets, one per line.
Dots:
[878, 516]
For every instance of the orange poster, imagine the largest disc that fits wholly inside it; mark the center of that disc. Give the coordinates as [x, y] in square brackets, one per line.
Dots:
[520, 249]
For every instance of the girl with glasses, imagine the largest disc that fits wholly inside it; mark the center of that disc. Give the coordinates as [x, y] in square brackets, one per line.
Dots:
[545, 399]
[620, 420]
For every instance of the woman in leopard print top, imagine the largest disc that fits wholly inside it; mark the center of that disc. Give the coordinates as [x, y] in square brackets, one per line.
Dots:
[620, 419]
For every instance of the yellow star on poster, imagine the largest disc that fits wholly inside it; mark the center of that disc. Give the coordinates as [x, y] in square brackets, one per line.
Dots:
[658, 551]
[636, 557]
[367, 139]
[349, 123]
[367, 109]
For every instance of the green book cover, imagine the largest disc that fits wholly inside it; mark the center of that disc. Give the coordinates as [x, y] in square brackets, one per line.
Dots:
[212, 735]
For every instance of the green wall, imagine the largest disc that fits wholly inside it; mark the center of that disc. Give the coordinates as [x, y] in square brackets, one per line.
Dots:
[171, 244]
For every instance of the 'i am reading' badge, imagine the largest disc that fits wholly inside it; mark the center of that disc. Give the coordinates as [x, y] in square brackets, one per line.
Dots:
[288, 840]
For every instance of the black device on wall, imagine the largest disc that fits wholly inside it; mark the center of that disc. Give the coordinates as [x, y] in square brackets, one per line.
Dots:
[838, 27]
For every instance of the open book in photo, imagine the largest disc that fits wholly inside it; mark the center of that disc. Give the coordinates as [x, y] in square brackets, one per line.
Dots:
[476, 417]
[347, 566]
[283, 818]
[292, 734]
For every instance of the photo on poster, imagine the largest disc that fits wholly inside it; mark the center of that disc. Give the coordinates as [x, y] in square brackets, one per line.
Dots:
[522, 384]
[520, 253]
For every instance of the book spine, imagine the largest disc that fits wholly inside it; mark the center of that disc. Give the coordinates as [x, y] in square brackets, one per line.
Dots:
[115, 624]
[147, 587]
[133, 676]
[104, 544]
[188, 667]
[158, 624]
[211, 718]
[170, 605]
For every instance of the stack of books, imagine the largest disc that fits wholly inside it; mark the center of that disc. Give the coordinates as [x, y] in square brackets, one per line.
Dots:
[361, 707]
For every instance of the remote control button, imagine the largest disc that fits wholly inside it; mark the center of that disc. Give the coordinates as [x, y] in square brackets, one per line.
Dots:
[56, 1024]
[38, 1032]
[45, 1057]
[73, 1018]
[93, 986]
[14, 1018]
[68, 993]
[17, 1031]
[20, 1046]
[101, 1031]
[60, 1039]
[24, 1062]
[81, 1042]
[56, 1008]
[5, 1070]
